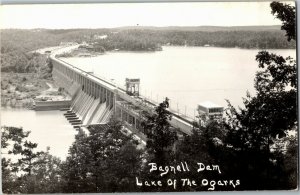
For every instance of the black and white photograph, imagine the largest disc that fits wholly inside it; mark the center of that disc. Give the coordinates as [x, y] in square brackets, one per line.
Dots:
[149, 97]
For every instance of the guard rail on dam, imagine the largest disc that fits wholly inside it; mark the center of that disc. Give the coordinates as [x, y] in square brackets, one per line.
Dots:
[95, 100]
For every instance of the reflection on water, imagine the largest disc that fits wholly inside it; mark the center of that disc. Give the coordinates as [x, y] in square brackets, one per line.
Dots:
[48, 128]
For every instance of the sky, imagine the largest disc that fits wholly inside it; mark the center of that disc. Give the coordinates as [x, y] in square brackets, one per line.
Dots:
[107, 15]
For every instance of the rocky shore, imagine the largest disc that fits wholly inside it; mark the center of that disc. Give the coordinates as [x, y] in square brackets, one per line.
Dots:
[19, 90]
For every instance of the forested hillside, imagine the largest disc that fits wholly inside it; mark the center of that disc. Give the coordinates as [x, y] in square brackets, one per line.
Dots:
[244, 37]
[16, 43]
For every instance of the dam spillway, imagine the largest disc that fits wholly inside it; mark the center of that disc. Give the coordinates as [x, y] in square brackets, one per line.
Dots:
[90, 110]
[95, 100]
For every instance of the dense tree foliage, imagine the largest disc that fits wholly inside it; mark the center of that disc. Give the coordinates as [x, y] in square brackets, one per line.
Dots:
[21, 166]
[11, 143]
[143, 37]
[287, 14]
[256, 130]
[18, 62]
[106, 160]
[160, 135]
[205, 145]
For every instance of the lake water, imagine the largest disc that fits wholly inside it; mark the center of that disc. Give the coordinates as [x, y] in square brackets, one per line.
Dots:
[48, 128]
[186, 75]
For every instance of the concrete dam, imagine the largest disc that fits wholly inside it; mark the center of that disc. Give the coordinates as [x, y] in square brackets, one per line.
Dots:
[95, 100]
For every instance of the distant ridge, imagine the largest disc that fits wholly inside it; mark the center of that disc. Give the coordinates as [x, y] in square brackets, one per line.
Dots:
[205, 28]
[170, 28]
[151, 38]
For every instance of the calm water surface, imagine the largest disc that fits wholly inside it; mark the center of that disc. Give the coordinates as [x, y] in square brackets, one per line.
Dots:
[187, 75]
[48, 128]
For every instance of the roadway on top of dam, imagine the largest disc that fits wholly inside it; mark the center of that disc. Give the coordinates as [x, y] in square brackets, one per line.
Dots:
[111, 86]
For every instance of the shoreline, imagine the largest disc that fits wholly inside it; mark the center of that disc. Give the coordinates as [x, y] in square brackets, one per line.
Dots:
[89, 54]
[20, 90]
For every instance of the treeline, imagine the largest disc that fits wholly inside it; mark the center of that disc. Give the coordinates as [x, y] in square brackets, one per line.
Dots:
[130, 39]
[242, 39]
[18, 46]
[26, 63]
[17, 54]
[15, 44]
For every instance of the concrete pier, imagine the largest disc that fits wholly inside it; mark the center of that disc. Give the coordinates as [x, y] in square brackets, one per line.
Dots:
[51, 105]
